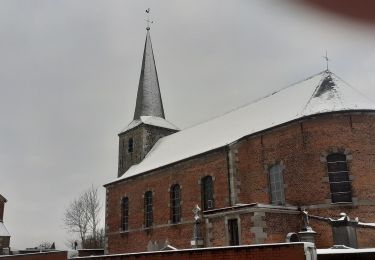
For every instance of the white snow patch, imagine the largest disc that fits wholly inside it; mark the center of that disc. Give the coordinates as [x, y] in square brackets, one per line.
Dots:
[367, 224]
[344, 251]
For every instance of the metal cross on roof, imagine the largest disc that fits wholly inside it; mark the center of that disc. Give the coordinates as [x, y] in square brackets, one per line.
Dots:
[148, 19]
[326, 58]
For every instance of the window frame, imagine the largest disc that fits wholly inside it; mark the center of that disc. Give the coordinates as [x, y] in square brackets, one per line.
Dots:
[125, 214]
[207, 189]
[175, 203]
[148, 209]
[276, 184]
[340, 187]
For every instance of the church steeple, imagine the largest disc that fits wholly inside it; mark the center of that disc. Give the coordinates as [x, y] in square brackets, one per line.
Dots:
[149, 123]
[149, 101]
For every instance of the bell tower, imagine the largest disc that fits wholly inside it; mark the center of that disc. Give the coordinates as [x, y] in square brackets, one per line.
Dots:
[149, 123]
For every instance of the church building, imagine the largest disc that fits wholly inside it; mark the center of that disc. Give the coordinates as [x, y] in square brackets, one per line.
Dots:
[309, 146]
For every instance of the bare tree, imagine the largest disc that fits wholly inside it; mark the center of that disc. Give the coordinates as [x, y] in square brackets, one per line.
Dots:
[93, 208]
[83, 216]
[77, 218]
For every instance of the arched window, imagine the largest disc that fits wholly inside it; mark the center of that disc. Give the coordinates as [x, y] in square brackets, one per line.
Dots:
[125, 213]
[148, 209]
[276, 185]
[339, 178]
[175, 203]
[207, 193]
[130, 145]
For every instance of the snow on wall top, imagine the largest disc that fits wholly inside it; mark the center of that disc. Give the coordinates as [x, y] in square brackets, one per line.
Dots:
[3, 230]
[324, 92]
[150, 120]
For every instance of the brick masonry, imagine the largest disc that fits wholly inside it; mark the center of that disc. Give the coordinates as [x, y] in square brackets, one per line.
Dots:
[240, 174]
[58, 255]
[269, 252]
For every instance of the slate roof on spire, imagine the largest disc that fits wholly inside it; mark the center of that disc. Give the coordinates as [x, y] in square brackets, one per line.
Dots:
[149, 101]
[149, 107]
[321, 93]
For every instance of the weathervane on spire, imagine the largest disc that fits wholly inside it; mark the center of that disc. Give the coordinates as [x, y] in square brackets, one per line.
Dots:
[148, 19]
[326, 58]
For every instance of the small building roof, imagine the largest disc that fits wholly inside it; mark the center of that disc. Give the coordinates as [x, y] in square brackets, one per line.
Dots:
[322, 93]
[2, 198]
[3, 230]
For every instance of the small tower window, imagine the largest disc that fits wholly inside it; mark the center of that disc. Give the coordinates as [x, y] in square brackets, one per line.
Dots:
[176, 203]
[125, 213]
[130, 145]
[148, 209]
[207, 193]
[276, 185]
[339, 182]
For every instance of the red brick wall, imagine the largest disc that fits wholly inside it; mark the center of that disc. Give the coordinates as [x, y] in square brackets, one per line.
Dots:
[278, 225]
[88, 252]
[269, 252]
[188, 174]
[38, 256]
[298, 146]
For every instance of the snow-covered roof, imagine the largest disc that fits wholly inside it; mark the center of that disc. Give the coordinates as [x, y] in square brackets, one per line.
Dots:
[150, 120]
[321, 93]
[3, 230]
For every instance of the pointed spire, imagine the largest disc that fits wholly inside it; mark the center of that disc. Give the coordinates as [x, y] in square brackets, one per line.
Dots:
[149, 101]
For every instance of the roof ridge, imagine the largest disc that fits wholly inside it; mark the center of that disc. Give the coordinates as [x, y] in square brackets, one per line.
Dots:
[313, 94]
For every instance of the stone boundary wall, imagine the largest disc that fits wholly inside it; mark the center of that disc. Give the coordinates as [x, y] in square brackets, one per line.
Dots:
[290, 251]
[56, 255]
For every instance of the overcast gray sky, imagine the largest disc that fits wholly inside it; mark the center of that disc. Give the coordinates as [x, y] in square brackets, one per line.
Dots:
[69, 73]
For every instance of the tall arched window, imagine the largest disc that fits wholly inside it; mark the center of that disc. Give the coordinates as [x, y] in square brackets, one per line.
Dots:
[339, 178]
[125, 213]
[175, 203]
[148, 209]
[207, 193]
[277, 185]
